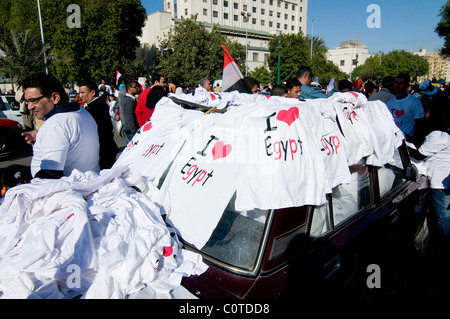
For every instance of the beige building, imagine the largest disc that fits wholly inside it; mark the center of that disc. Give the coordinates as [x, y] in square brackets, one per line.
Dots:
[250, 22]
[347, 53]
[439, 66]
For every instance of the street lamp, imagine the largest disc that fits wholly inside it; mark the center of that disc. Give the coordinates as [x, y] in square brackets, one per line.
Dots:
[312, 37]
[246, 16]
[279, 60]
[356, 67]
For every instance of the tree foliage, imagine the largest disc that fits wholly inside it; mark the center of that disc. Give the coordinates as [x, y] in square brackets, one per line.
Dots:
[190, 52]
[295, 50]
[23, 55]
[105, 42]
[393, 63]
[443, 28]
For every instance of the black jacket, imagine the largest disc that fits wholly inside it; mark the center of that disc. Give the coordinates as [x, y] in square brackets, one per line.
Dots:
[99, 110]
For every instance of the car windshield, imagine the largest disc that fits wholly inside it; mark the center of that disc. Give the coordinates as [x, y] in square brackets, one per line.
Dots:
[237, 238]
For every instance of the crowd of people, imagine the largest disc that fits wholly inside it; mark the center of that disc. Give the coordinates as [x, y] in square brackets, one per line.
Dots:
[73, 130]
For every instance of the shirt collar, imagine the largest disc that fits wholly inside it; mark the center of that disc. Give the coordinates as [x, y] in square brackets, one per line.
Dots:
[129, 95]
[72, 107]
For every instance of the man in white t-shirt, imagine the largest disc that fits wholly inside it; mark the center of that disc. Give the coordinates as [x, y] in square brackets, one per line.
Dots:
[406, 109]
[68, 139]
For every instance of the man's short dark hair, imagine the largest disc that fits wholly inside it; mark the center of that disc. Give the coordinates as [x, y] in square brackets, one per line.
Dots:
[278, 90]
[90, 86]
[292, 82]
[345, 84]
[156, 77]
[302, 70]
[47, 84]
[131, 83]
[404, 76]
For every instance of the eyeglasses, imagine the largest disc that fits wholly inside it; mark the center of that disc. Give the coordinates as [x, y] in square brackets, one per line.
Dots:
[34, 100]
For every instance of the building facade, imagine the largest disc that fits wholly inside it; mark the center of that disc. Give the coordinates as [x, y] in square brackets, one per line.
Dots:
[249, 22]
[347, 54]
[439, 66]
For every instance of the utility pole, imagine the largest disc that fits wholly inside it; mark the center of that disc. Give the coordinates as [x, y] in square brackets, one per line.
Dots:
[42, 36]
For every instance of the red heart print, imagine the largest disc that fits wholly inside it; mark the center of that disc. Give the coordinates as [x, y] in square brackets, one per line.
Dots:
[147, 127]
[288, 116]
[167, 251]
[399, 113]
[221, 150]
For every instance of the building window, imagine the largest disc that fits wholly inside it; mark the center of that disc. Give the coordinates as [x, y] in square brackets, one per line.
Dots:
[286, 5]
[278, 15]
[270, 24]
[285, 27]
[255, 56]
[225, 16]
[271, 2]
[266, 57]
[186, 12]
[285, 16]
[253, 21]
[215, 14]
[215, 1]
[278, 25]
[270, 13]
[236, 17]
[254, 9]
[225, 4]
[244, 7]
[263, 11]
[205, 12]
[342, 62]
[262, 22]
[236, 5]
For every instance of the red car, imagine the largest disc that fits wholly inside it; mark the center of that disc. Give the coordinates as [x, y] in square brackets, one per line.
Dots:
[10, 131]
[301, 250]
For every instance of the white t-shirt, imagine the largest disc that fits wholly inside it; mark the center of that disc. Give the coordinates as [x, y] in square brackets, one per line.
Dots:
[68, 139]
[437, 148]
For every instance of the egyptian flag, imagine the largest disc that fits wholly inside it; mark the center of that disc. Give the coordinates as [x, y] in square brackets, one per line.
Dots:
[118, 75]
[232, 79]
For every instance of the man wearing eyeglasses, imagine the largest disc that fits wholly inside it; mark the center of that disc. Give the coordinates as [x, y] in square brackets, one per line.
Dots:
[68, 139]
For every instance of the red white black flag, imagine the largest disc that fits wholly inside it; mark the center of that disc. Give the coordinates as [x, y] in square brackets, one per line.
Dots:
[232, 78]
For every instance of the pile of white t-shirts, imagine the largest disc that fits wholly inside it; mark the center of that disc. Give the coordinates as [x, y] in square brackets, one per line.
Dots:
[270, 153]
[88, 236]
[368, 128]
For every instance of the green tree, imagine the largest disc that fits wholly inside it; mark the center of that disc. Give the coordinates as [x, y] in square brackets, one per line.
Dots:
[23, 55]
[393, 63]
[262, 74]
[105, 42]
[190, 52]
[296, 51]
[443, 28]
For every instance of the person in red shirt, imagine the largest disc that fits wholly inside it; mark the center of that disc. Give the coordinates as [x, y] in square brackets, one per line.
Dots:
[143, 113]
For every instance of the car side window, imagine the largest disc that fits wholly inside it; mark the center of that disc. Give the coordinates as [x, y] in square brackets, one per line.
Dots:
[391, 175]
[345, 201]
[2, 106]
[15, 106]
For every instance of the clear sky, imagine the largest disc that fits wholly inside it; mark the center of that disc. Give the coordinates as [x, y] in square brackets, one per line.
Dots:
[402, 24]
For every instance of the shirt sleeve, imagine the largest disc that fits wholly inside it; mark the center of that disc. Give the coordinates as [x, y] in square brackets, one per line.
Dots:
[433, 144]
[418, 110]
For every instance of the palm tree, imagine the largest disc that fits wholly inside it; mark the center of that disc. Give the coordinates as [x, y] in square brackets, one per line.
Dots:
[318, 45]
[23, 54]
